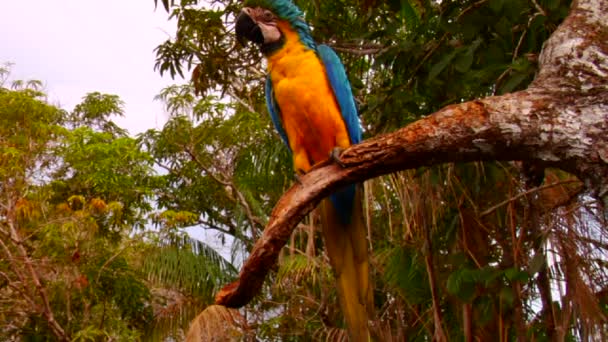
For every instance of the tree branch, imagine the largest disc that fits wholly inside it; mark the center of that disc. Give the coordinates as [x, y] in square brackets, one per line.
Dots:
[253, 219]
[46, 309]
[525, 193]
[559, 121]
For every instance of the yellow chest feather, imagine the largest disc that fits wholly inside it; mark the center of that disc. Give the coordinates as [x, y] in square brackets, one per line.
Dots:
[309, 111]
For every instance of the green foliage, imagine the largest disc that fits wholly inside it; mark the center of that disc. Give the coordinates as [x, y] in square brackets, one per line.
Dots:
[27, 126]
[422, 56]
[406, 272]
[197, 269]
[120, 172]
[62, 245]
[76, 192]
[222, 162]
[96, 110]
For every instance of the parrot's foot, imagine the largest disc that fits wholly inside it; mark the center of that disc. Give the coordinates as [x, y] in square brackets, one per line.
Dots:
[335, 156]
[298, 177]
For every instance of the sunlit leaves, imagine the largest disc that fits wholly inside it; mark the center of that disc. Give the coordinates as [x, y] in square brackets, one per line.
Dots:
[96, 111]
[73, 187]
[27, 127]
[98, 165]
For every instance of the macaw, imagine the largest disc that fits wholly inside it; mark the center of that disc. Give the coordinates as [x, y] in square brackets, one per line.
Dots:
[312, 107]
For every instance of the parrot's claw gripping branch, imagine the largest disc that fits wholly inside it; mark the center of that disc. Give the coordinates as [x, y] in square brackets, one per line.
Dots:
[334, 158]
[335, 154]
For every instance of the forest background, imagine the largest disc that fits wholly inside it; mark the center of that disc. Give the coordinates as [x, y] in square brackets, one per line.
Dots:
[92, 218]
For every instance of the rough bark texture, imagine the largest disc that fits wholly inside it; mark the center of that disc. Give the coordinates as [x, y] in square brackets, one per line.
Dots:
[561, 120]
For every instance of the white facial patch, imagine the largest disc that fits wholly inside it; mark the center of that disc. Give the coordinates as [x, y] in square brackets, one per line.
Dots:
[270, 32]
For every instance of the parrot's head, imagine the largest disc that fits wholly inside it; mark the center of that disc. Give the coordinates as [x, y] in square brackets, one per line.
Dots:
[259, 21]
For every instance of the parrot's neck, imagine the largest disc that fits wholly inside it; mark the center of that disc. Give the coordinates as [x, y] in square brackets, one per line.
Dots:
[269, 49]
[291, 50]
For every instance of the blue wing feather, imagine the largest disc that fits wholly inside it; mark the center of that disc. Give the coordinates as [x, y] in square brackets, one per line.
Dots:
[275, 111]
[341, 87]
[342, 199]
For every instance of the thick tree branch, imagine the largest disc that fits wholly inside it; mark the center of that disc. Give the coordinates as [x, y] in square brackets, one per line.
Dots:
[559, 121]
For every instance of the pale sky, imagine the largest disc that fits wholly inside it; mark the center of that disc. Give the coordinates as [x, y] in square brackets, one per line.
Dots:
[79, 46]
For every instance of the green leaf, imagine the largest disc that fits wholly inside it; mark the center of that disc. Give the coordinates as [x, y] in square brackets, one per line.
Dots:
[496, 5]
[514, 274]
[486, 306]
[454, 282]
[507, 296]
[464, 61]
[409, 14]
[467, 292]
[537, 263]
[461, 284]
[515, 80]
[488, 275]
[442, 64]
[405, 271]
[550, 4]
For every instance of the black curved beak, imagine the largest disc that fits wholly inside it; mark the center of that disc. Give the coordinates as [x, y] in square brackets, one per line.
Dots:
[247, 29]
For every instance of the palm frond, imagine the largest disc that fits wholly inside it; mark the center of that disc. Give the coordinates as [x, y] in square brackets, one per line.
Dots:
[191, 266]
[299, 268]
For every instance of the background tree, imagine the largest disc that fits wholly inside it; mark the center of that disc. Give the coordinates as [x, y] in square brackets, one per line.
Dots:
[79, 258]
[468, 250]
[62, 226]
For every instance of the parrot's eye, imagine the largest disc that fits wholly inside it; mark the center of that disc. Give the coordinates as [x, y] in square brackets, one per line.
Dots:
[267, 15]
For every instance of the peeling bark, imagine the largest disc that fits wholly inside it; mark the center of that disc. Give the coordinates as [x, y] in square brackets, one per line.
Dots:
[561, 121]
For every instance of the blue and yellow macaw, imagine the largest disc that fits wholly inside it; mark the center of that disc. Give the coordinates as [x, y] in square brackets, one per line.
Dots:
[312, 107]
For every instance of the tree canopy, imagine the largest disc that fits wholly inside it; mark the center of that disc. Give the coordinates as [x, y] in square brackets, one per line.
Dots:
[80, 258]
